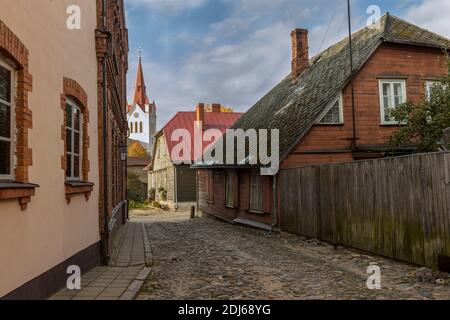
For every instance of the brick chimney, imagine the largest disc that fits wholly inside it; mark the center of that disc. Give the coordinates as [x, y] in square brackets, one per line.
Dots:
[200, 114]
[300, 52]
[216, 107]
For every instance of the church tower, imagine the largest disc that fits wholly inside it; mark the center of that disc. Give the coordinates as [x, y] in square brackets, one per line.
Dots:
[141, 114]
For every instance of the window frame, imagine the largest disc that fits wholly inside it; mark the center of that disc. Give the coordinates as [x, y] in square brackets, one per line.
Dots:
[428, 84]
[340, 99]
[391, 82]
[252, 208]
[74, 106]
[12, 139]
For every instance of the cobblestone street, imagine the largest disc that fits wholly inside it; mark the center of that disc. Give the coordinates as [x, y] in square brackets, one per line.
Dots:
[208, 259]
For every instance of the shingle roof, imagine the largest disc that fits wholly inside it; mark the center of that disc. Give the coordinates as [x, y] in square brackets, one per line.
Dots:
[138, 162]
[294, 106]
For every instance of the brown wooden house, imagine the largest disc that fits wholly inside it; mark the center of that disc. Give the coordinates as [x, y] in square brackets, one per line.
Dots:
[312, 107]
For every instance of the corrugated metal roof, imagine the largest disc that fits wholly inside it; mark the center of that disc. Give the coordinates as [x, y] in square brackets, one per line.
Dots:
[186, 120]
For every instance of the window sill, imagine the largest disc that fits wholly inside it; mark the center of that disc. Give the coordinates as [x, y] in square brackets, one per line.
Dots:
[74, 188]
[230, 207]
[21, 191]
[393, 124]
[256, 212]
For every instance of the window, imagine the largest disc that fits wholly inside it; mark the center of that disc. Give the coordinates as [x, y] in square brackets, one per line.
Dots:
[392, 94]
[6, 122]
[131, 127]
[140, 127]
[136, 127]
[73, 136]
[229, 189]
[334, 114]
[256, 192]
[429, 86]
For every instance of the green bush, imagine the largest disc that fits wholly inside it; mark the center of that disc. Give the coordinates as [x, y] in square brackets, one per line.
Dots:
[132, 204]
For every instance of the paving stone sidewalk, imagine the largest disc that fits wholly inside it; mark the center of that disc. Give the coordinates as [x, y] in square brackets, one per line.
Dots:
[126, 274]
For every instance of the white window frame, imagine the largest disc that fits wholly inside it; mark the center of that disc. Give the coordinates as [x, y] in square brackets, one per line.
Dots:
[260, 189]
[11, 140]
[391, 82]
[328, 108]
[75, 106]
[428, 85]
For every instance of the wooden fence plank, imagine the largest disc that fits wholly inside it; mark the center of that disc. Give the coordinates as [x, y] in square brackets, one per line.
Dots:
[397, 207]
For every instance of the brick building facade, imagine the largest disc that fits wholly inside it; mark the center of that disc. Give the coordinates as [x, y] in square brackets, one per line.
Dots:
[112, 63]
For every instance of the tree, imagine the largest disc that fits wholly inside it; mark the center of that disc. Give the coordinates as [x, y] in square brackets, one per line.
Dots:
[226, 109]
[136, 150]
[208, 108]
[425, 122]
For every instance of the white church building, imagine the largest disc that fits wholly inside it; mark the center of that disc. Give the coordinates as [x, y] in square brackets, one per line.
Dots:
[141, 114]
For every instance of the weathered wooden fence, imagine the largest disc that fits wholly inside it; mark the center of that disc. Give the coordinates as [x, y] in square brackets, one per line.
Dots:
[395, 207]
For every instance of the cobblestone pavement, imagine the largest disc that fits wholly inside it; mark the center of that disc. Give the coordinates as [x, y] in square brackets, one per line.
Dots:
[125, 275]
[208, 259]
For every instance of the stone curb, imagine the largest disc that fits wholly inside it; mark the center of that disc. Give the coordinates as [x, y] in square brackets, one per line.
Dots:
[136, 285]
[147, 247]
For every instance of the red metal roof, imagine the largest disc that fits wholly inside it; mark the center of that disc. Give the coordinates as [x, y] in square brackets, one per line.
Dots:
[186, 120]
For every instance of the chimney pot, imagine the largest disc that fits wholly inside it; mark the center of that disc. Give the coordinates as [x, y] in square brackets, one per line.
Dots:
[300, 52]
[200, 112]
[216, 107]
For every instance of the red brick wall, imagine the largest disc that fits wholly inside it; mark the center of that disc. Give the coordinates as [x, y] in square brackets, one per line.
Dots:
[416, 64]
[115, 52]
[217, 206]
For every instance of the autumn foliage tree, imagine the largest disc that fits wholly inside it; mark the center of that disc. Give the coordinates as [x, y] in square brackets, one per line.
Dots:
[423, 123]
[136, 150]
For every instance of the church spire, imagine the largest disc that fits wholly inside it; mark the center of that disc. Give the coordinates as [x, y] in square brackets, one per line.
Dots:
[140, 93]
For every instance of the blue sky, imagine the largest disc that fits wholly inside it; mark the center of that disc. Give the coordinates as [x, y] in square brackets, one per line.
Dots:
[234, 51]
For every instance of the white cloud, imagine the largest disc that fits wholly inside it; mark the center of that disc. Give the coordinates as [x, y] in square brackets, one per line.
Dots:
[432, 15]
[241, 57]
[174, 6]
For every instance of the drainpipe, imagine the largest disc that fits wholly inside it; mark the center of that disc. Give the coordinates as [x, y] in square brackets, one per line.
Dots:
[175, 190]
[275, 203]
[105, 237]
[197, 192]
